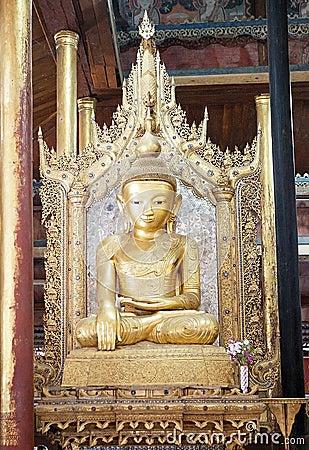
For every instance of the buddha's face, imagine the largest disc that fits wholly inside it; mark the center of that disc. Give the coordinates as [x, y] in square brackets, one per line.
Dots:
[148, 204]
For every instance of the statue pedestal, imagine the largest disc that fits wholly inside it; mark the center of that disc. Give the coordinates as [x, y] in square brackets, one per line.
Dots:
[147, 364]
[148, 394]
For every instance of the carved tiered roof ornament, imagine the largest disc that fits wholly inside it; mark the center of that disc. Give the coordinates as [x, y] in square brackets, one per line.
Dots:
[148, 90]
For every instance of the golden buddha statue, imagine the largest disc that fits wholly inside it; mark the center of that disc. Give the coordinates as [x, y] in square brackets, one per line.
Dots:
[153, 270]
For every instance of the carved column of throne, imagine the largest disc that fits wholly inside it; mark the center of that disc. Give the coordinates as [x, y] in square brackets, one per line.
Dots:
[223, 204]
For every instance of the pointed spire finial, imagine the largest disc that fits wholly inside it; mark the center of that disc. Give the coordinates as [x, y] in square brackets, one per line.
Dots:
[146, 28]
[206, 116]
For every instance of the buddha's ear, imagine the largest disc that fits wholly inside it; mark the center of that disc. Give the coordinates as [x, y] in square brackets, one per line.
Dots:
[120, 203]
[170, 226]
[122, 207]
[177, 204]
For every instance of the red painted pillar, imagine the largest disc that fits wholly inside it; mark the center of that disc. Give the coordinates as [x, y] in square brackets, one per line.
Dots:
[16, 277]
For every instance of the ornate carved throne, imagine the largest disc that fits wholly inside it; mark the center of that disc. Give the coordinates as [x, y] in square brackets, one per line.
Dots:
[227, 209]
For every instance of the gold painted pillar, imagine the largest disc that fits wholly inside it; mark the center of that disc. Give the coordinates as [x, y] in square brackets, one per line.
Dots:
[66, 47]
[77, 274]
[268, 228]
[86, 115]
[16, 276]
[227, 262]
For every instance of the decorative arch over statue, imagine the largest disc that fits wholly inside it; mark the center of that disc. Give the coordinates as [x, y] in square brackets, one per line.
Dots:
[229, 195]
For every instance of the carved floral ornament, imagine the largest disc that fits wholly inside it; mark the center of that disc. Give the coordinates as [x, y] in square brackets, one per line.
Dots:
[207, 33]
[228, 181]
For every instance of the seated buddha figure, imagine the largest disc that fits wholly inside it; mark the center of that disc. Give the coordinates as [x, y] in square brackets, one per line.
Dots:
[153, 270]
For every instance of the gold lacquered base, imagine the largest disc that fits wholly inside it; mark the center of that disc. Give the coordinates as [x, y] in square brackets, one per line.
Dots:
[148, 364]
[76, 417]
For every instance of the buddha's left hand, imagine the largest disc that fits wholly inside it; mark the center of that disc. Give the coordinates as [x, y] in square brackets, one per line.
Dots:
[156, 304]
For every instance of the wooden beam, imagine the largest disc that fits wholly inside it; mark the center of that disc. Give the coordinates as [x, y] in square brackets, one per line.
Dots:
[235, 78]
[48, 37]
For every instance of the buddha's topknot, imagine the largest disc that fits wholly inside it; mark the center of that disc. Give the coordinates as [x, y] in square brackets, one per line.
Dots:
[148, 165]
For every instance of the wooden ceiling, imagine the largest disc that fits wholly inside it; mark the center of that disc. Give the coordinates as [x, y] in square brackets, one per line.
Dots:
[97, 70]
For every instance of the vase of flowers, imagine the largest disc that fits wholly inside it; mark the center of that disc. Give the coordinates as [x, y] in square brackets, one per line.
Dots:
[242, 353]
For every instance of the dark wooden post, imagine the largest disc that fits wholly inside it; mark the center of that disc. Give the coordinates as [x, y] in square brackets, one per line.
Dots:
[285, 203]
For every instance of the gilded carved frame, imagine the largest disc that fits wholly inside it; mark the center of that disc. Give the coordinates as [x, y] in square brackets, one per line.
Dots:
[232, 181]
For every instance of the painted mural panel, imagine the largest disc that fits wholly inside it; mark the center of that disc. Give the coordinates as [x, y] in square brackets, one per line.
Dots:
[298, 8]
[200, 36]
[184, 11]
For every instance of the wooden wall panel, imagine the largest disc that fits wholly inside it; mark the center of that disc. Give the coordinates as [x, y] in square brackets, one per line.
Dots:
[232, 114]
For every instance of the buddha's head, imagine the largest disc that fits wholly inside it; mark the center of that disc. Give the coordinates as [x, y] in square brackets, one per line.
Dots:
[149, 199]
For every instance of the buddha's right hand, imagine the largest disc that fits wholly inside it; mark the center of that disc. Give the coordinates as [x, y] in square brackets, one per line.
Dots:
[108, 327]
